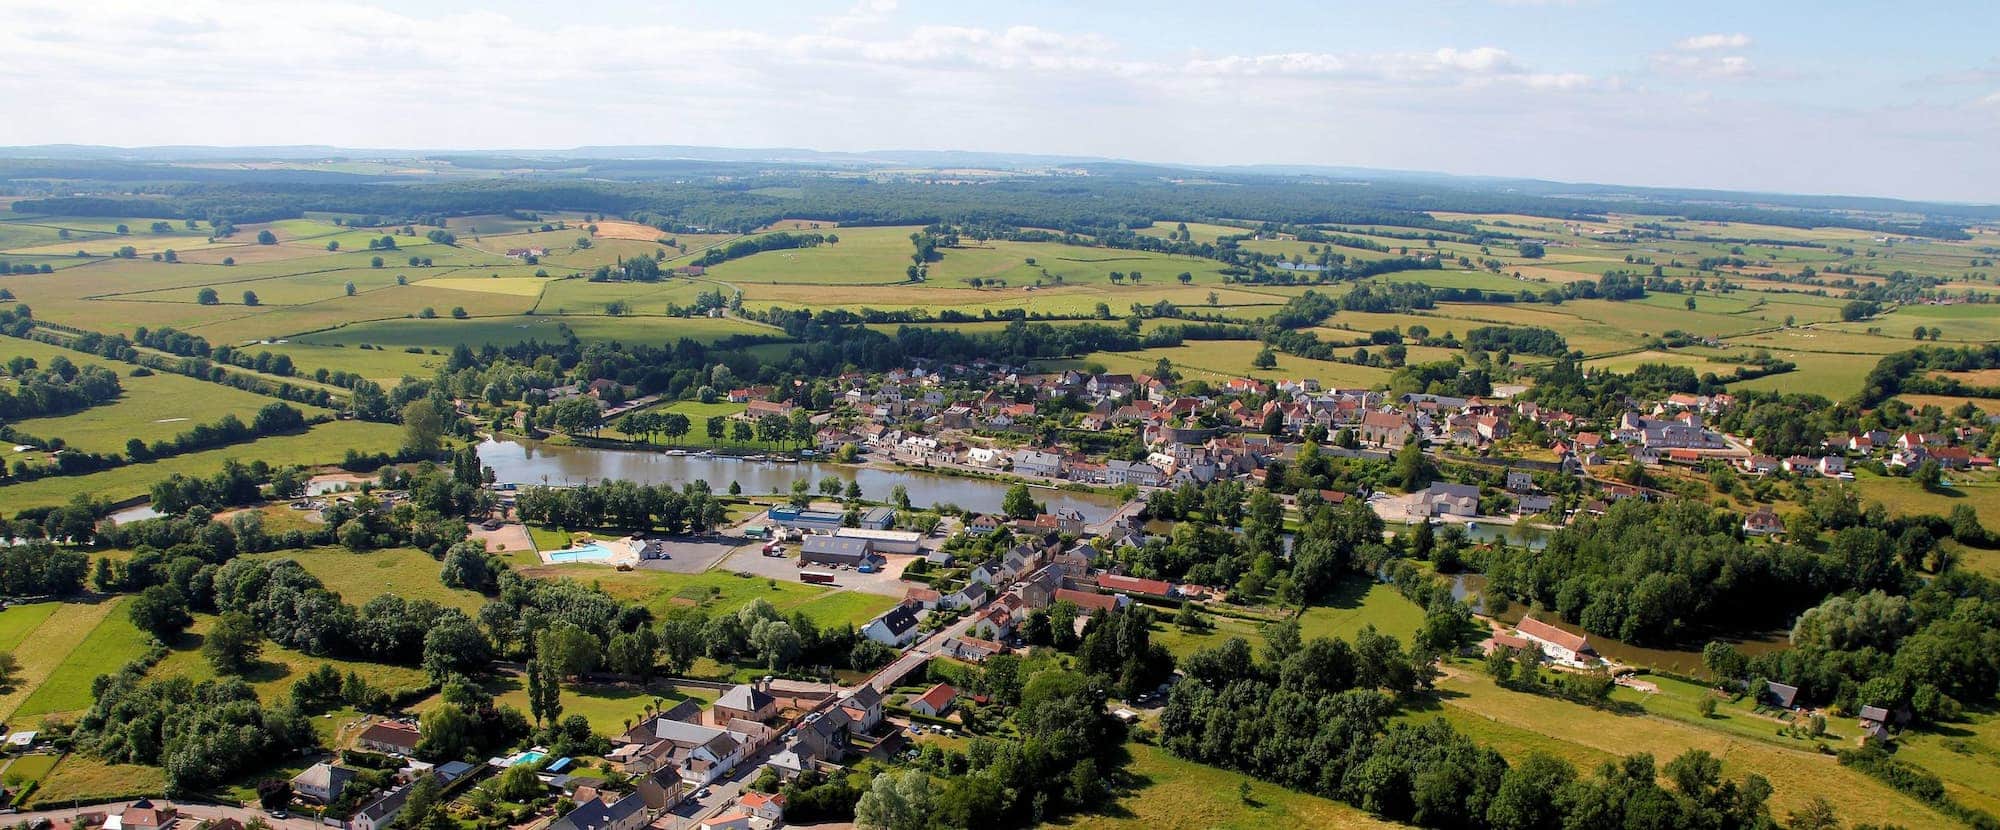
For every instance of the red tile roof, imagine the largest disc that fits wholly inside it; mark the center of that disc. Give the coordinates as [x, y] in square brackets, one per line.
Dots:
[1531, 627]
[939, 696]
[1133, 584]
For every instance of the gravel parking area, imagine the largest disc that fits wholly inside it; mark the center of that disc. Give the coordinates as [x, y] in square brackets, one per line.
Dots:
[696, 554]
[886, 582]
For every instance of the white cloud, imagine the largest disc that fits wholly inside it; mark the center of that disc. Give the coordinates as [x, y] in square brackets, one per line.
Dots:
[1736, 40]
[1705, 66]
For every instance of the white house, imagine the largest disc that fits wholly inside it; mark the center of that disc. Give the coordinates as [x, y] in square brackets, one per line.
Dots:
[895, 628]
[1557, 644]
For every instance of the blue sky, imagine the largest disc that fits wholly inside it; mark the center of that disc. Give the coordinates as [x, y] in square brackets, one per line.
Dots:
[1781, 96]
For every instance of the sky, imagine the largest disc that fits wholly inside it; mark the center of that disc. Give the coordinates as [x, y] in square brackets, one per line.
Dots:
[1796, 97]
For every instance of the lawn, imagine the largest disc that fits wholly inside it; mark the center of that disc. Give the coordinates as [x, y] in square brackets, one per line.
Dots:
[1516, 723]
[79, 777]
[360, 577]
[1170, 792]
[27, 769]
[840, 608]
[324, 444]
[608, 707]
[1359, 602]
[112, 643]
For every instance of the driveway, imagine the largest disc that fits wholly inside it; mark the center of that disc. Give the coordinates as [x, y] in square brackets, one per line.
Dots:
[509, 537]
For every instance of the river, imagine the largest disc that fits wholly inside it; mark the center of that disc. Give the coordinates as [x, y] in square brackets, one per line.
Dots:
[531, 462]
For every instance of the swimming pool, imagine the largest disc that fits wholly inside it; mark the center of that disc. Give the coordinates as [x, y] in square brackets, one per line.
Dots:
[588, 552]
[528, 757]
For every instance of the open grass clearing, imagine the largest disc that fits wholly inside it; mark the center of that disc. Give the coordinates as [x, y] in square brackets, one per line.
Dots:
[1171, 792]
[359, 577]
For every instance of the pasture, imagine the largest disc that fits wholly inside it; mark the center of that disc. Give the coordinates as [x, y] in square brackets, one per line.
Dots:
[323, 444]
[1516, 723]
[62, 647]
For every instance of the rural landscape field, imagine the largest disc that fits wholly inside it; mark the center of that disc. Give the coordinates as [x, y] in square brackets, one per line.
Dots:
[597, 484]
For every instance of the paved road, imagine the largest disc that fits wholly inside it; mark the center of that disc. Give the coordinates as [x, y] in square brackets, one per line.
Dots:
[194, 811]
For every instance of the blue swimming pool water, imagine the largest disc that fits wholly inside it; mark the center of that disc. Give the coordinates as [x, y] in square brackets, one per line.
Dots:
[528, 757]
[592, 552]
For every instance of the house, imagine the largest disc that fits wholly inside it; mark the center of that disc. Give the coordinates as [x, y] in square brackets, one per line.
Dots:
[146, 815]
[627, 813]
[1038, 463]
[1760, 464]
[1136, 586]
[1446, 499]
[1384, 429]
[1089, 603]
[864, 707]
[1779, 695]
[661, 789]
[838, 551]
[381, 812]
[1520, 481]
[393, 737]
[823, 736]
[1831, 465]
[983, 524]
[1875, 723]
[1137, 473]
[972, 649]
[895, 628]
[1764, 522]
[1557, 644]
[934, 702]
[726, 821]
[770, 808]
[747, 702]
[1499, 641]
[992, 624]
[922, 597]
[699, 753]
[322, 782]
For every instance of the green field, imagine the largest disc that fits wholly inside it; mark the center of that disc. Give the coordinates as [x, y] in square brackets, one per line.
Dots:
[1516, 723]
[153, 408]
[109, 645]
[1169, 792]
[360, 577]
[44, 653]
[324, 444]
[444, 334]
[17, 622]
[717, 592]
